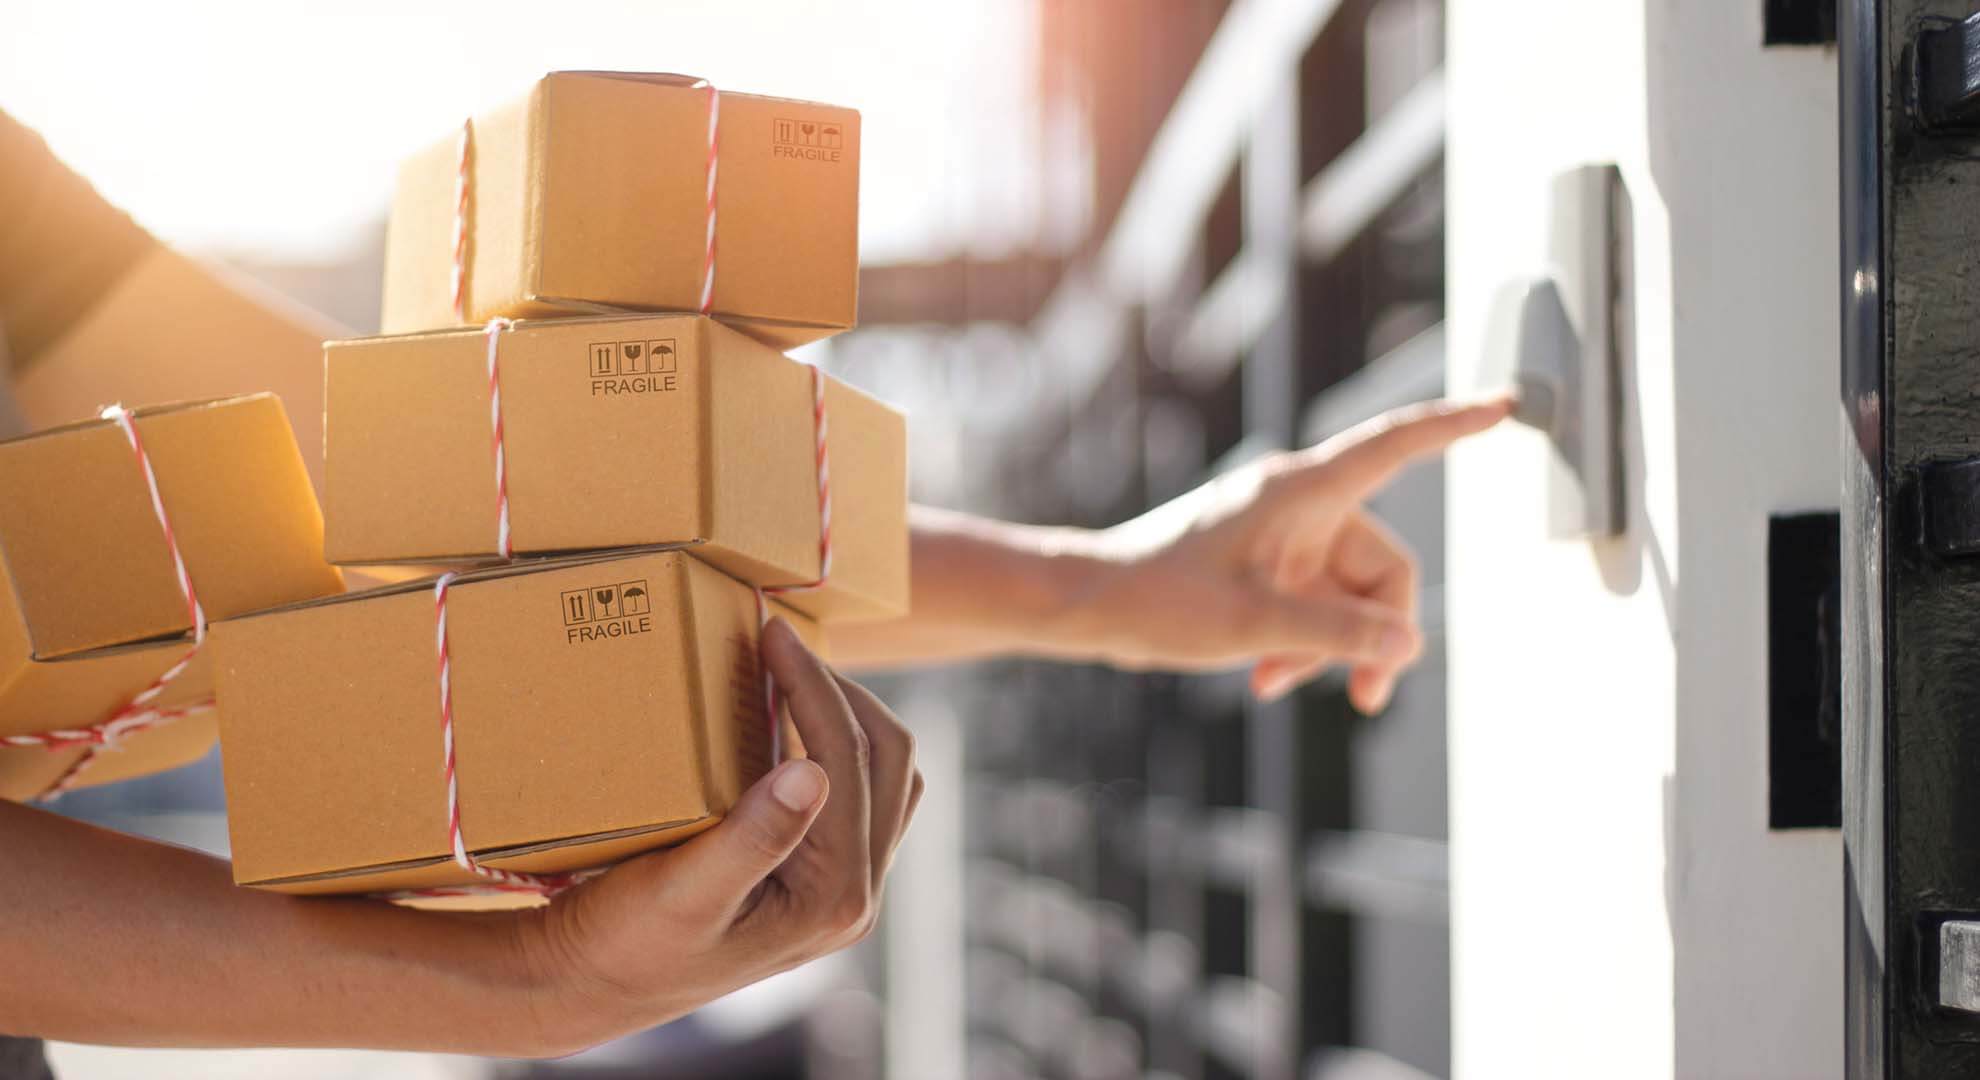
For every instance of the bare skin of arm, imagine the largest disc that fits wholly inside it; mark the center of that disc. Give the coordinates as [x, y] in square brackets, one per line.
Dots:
[1275, 565]
[113, 939]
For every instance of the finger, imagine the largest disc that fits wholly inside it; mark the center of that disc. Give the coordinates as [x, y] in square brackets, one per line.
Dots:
[836, 853]
[1369, 689]
[892, 771]
[1370, 560]
[758, 834]
[1339, 628]
[1365, 457]
[1279, 674]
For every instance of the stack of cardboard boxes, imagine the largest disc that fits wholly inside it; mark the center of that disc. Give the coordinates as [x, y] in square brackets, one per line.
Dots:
[634, 491]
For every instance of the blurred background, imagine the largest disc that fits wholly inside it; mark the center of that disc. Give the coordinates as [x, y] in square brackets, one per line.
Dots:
[1110, 248]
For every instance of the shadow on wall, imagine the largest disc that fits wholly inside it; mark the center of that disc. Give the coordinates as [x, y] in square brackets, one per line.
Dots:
[1532, 341]
[1620, 559]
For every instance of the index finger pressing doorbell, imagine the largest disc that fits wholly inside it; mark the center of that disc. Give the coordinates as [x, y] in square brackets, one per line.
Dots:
[1559, 339]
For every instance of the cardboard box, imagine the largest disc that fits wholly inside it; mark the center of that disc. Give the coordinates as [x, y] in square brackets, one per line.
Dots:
[590, 195]
[92, 610]
[618, 432]
[603, 706]
[175, 329]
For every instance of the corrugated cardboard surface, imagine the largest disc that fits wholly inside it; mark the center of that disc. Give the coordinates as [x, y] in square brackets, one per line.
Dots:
[419, 237]
[84, 552]
[91, 611]
[589, 195]
[174, 328]
[577, 743]
[867, 442]
[716, 450]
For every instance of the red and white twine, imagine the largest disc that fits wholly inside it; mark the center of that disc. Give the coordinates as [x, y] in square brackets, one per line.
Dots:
[140, 713]
[714, 148]
[463, 178]
[465, 161]
[498, 880]
[503, 544]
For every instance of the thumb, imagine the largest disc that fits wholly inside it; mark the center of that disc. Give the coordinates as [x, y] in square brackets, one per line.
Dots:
[766, 825]
[1339, 628]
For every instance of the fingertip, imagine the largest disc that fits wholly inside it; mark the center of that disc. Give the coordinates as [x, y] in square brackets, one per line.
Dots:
[1361, 693]
[1270, 688]
[1385, 692]
[798, 785]
[778, 634]
[782, 647]
[1488, 409]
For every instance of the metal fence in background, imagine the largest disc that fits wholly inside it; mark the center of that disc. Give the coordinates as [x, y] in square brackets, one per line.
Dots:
[1160, 877]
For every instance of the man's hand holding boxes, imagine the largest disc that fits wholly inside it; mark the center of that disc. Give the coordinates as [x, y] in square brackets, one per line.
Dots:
[581, 399]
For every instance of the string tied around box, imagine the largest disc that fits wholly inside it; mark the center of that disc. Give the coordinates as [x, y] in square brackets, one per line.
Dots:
[142, 712]
[463, 196]
[496, 879]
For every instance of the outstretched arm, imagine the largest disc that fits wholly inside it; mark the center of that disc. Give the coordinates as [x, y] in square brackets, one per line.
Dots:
[1275, 565]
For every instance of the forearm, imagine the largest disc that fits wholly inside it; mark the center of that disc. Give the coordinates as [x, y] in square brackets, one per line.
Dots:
[112, 939]
[985, 588]
[197, 331]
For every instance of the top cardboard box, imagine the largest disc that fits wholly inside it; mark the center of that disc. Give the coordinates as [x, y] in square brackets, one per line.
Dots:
[92, 612]
[589, 196]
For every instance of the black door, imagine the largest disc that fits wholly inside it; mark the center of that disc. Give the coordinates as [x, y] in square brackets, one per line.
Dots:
[1911, 537]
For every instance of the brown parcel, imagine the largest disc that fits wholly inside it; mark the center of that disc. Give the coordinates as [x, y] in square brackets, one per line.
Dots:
[92, 612]
[590, 195]
[714, 447]
[603, 705]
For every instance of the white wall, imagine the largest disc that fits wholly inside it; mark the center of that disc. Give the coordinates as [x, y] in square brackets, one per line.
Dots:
[1620, 908]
